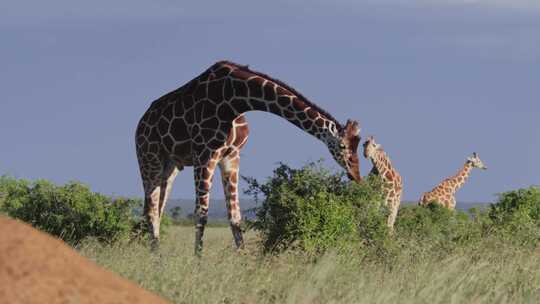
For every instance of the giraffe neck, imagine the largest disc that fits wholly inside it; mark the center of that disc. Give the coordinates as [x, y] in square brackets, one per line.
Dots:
[244, 90]
[461, 177]
[381, 161]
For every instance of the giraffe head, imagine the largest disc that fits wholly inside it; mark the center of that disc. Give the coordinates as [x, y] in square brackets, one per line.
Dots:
[370, 147]
[345, 149]
[476, 162]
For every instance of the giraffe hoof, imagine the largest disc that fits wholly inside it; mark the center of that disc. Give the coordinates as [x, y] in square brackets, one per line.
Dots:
[154, 245]
[198, 252]
[240, 246]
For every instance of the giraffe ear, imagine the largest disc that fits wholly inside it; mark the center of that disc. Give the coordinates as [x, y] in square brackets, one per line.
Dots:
[473, 157]
[352, 128]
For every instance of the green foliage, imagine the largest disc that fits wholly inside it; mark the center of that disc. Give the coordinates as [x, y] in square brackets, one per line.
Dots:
[521, 205]
[309, 209]
[176, 213]
[312, 209]
[430, 230]
[436, 224]
[71, 212]
[513, 219]
[13, 193]
[517, 215]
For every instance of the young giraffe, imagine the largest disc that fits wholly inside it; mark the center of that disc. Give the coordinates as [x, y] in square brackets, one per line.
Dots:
[444, 193]
[201, 124]
[392, 183]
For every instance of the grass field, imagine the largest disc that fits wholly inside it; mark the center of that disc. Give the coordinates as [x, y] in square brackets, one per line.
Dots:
[489, 272]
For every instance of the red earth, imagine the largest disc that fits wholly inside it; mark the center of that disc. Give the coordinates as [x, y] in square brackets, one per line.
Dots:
[38, 268]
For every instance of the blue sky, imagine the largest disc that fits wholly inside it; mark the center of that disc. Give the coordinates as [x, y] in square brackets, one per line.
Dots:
[433, 81]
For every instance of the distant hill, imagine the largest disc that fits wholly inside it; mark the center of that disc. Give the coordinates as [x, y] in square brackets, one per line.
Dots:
[464, 206]
[217, 209]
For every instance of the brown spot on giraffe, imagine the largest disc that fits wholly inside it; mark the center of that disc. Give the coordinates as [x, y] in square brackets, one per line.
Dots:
[202, 124]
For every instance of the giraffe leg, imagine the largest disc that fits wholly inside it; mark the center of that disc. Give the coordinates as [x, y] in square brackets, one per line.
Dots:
[203, 184]
[158, 199]
[229, 167]
[393, 206]
[151, 171]
[388, 204]
[151, 212]
[170, 171]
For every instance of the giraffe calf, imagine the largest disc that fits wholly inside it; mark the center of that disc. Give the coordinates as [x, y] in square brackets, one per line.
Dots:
[392, 183]
[444, 193]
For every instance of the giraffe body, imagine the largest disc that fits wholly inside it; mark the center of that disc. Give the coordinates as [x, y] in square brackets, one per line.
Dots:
[392, 182]
[444, 193]
[202, 124]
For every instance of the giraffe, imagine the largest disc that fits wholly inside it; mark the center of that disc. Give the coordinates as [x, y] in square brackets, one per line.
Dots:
[202, 124]
[444, 193]
[392, 183]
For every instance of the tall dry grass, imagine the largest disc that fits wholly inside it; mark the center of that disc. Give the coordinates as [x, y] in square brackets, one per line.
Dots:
[488, 272]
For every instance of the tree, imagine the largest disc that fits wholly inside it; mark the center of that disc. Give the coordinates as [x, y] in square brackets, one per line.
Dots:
[176, 213]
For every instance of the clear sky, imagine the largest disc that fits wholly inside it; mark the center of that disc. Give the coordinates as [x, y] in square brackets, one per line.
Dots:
[433, 81]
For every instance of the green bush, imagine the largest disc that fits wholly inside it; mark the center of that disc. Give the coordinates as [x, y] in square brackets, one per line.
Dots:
[71, 212]
[438, 225]
[516, 215]
[513, 219]
[13, 193]
[312, 209]
[522, 205]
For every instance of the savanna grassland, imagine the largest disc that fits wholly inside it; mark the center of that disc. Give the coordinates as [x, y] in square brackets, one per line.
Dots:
[489, 272]
[315, 238]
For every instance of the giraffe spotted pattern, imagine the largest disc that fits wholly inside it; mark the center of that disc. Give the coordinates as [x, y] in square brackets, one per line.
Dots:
[392, 184]
[202, 124]
[444, 193]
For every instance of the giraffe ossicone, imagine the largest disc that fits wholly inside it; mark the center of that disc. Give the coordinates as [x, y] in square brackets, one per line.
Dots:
[444, 193]
[202, 124]
[392, 186]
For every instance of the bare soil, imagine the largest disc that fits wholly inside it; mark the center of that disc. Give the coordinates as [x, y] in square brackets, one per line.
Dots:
[38, 268]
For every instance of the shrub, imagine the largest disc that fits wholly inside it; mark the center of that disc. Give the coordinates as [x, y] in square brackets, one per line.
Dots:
[70, 212]
[13, 193]
[516, 215]
[522, 205]
[438, 225]
[176, 213]
[514, 219]
[312, 209]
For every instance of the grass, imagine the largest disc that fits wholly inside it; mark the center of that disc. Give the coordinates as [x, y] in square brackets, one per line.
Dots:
[488, 272]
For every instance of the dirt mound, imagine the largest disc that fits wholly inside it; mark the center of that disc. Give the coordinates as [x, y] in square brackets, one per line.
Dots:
[37, 268]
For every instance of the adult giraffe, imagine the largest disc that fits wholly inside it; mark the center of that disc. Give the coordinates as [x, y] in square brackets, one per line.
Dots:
[201, 124]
